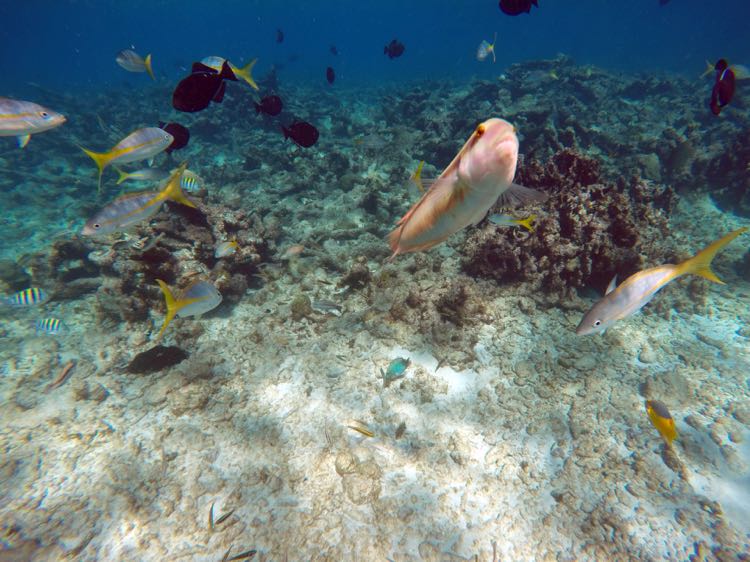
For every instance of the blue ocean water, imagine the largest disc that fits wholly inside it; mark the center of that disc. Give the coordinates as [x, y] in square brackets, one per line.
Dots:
[324, 389]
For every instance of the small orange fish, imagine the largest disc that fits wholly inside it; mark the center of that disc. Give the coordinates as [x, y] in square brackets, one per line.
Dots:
[662, 420]
[293, 251]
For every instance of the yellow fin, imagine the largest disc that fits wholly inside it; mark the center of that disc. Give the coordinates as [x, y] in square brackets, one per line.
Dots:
[526, 223]
[102, 160]
[123, 175]
[246, 73]
[173, 191]
[700, 264]
[417, 176]
[147, 62]
[709, 70]
[173, 306]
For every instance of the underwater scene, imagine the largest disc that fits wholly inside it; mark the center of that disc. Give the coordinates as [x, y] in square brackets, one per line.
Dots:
[458, 280]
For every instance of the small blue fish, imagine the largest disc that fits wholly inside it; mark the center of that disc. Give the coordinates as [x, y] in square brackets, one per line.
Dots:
[28, 297]
[49, 326]
[396, 370]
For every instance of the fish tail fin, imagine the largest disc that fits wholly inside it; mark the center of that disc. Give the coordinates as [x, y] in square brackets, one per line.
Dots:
[149, 69]
[172, 306]
[123, 175]
[417, 176]
[173, 190]
[102, 160]
[700, 264]
[709, 70]
[246, 73]
[527, 223]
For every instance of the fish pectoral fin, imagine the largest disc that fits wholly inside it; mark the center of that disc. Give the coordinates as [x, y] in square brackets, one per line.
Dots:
[612, 286]
[518, 196]
[23, 140]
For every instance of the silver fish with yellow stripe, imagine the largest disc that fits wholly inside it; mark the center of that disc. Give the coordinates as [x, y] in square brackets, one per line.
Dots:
[133, 208]
[28, 297]
[142, 144]
[637, 290]
[245, 72]
[21, 119]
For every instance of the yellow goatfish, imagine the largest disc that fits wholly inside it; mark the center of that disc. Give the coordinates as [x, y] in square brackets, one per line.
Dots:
[637, 290]
[246, 72]
[142, 144]
[133, 208]
[481, 172]
[21, 119]
[662, 420]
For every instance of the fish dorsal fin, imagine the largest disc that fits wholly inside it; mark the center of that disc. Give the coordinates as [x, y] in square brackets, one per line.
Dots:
[23, 140]
[612, 286]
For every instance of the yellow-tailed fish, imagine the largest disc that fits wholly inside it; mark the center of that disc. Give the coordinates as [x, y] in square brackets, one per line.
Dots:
[507, 220]
[133, 62]
[662, 420]
[142, 144]
[481, 172]
[224, 249]
[246, 72]
[21, 119]
[416, 177]
[638, 289]
[197, 299]
[133, 208]
[28, 297]
[146, 174]
[741, 72]
[485, 48]
[49, 326]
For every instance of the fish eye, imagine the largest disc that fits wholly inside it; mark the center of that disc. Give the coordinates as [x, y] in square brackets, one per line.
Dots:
[597, 323]
[480, 129]
[97, 226]
[166, 137]
[43, 114]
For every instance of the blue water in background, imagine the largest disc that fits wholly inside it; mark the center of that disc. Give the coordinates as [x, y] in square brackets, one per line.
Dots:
[72, 44]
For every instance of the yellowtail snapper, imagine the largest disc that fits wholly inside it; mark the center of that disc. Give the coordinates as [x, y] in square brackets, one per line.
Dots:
[28, 297]
[49, 326]
[146, 174]
[507, 220]
[245, 72]
[133, 208]
[197, 299]
[142, 144]
[21, 119]
[133, 62]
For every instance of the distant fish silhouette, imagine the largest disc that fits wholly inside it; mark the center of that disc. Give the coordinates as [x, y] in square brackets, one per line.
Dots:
[330, 75]
[270, 105]
[394, 49]
[516, 7]
[303, 134]
[279, 36]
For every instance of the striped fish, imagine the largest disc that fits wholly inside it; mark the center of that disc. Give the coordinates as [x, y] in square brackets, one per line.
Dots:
[191, 182]
[21, 119]
[142, 144]
[28, 297]
[133, 208]
[49, 325]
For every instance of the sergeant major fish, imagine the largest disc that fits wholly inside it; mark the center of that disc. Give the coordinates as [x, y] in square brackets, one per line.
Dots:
[637, 290]
[142, 144]
[28, 297]
[481, 172]
[21, 119]
[133, 208]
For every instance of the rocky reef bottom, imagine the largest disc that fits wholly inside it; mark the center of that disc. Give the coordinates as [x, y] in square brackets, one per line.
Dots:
[273, 424]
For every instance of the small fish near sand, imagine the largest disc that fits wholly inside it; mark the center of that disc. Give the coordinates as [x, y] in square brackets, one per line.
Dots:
[21, 119]
[133, 208]
[227, 248]
[481, 174]
[637, 290]
[133, 62]
[394, 49]
[485, 49]
[51, 326]
[324, 306]
[269, 105]
[245, 73]
[33, 296]
[197, 299]
[662, 420]
[507, 220]
[141, 144]
[396, 370]
[302, 133]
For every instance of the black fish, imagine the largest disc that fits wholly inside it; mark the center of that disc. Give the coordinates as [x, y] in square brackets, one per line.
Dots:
[394, 49]
[204, 85]
[330, 75]
[334, 50]
[723, 90]
[180, 133]
[279, 36]
[270, 105]
[303, 134]
[515, 7]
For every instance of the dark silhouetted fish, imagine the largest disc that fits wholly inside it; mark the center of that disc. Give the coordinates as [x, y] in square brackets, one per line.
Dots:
[394, 49]
[516, 7]
[279, 36]
[302, 133]
[334, 50]
[663, 2]
[330, 75]
[180, 133]
[270, 105]
[724, 86]
[203, 86]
